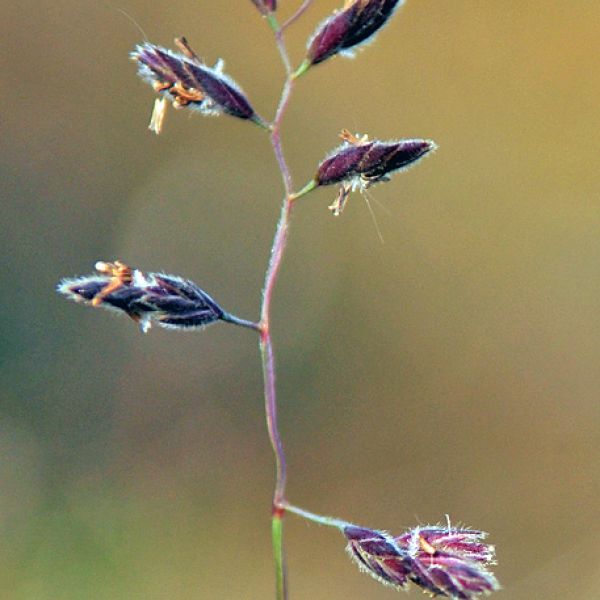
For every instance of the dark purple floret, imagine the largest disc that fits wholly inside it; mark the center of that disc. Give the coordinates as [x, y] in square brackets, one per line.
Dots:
[163, 65]
[450, 562]
[359, 163]
[443, 561]
[186, 81]
[266, 6]
[175, 296]
[189, 320]
[342, 164]
[369, 160]
[373, 16]
[386, 157]
[358, 21]
[167, 300]
[329, 38]
[223, 93]
[378, 554]
[372, 542]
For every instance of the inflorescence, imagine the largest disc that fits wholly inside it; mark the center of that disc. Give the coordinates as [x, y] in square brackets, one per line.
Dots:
[443, 561]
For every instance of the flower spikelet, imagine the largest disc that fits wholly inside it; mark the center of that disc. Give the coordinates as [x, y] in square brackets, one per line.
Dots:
[186, 81]
[147, 298]
[346, 29]
[449, 561]
[444, 561]
[360, 163]
[378, 554]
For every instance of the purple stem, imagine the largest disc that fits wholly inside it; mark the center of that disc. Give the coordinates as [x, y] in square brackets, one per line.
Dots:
[266, 345]
[277, 250]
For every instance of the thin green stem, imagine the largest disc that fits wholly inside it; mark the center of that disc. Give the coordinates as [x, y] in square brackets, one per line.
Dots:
[310, 516]
[229, 318]
[305, 66]
[272, 21]
[309, 187]
[280, 570]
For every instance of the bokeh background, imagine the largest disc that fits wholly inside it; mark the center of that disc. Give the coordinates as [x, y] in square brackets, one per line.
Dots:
[452, 369]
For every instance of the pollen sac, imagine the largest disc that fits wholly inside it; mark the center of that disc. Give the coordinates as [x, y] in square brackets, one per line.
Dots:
[187, 82]
[147, 298]
[444, 561]
[346, 29]
[360, 163]
[266, 6]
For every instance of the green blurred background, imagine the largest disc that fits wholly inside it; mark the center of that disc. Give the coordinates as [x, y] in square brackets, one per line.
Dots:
[453, 369]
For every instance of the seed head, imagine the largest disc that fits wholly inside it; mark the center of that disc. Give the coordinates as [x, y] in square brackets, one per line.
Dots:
[444, 561]
[344, 30]
[360, 163]
[187, 82]
[167, 300]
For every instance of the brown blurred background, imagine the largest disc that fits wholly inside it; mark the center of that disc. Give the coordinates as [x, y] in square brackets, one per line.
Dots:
[452, 369]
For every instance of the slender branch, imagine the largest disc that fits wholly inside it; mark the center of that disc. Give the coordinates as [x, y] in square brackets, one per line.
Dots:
[276, 137]
[283, 50]
[305, 5]
[306, 514]
[229, 318]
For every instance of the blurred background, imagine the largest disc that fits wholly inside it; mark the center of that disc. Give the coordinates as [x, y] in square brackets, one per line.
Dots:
[453, 369]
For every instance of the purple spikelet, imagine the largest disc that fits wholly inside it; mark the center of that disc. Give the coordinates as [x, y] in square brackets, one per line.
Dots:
[449, 562]
[346, 29]
[377, 553]
[360, 163]
[186, 81]
[147, 298]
